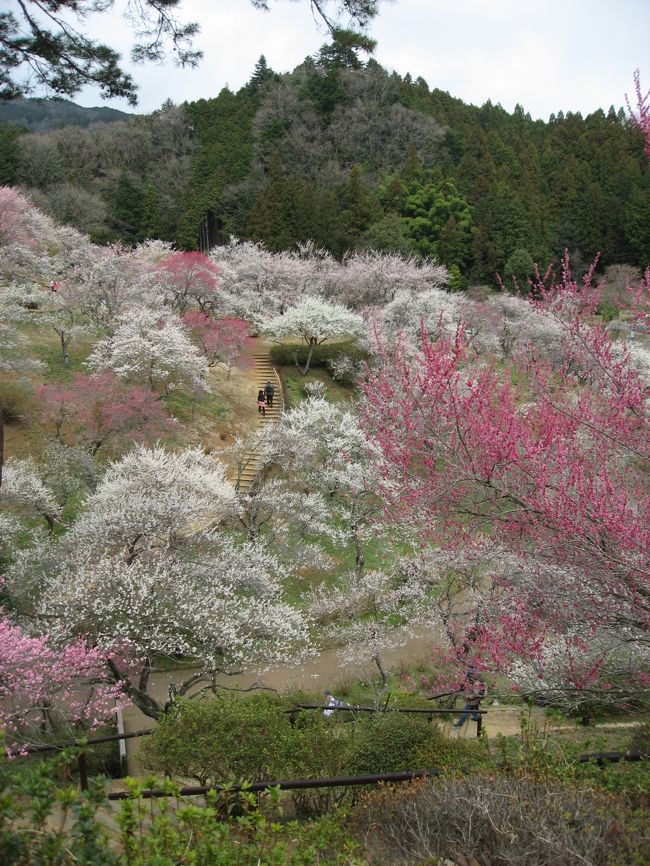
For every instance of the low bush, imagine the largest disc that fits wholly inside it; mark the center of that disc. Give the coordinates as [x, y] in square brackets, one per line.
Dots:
[221, 740]
[232, 739]
[325, 355]
[499, 820]
[392, 742]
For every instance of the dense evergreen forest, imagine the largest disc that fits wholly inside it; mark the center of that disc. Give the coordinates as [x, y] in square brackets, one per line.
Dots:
[351, 156]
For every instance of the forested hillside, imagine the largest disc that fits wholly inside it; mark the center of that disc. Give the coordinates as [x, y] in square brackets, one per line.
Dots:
[40, 115]
[352, 157]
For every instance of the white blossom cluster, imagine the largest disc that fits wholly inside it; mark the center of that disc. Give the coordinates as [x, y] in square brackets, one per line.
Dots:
[23, 489]
[149, 349]
[148, 499]
[315, 320]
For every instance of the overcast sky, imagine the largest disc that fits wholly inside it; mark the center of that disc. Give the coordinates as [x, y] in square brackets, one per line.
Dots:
[547, 55]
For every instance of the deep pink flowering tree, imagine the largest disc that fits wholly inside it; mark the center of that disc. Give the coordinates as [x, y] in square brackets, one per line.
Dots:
[548, 461]
[43, 686]
[222, 341]
[99, 408]
[188, 279]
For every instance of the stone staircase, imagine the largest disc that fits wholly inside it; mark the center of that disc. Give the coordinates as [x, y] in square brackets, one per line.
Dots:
[251, 463]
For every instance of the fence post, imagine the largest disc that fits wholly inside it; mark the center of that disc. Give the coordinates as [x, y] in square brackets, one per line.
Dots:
[83, 771]
[479, 726]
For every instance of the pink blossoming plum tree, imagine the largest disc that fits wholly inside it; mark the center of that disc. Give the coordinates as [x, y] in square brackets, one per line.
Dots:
[221, 341]
[99, 408]
[45, 685]
[188, 279]
[553, 469]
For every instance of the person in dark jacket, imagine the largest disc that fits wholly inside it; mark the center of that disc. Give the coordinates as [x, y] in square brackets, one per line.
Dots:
[474, 690]
[261, 402]
[269, 391]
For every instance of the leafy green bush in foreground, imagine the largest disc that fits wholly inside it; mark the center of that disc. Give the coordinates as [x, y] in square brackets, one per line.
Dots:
[44, 822]
[230, 739]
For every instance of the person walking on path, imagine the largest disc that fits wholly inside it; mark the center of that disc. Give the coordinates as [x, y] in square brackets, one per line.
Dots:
[474, 691]
[261, 402]
[332, 704]
[269, 391]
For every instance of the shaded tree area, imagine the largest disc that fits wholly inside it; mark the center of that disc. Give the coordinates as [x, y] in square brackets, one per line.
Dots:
[354, 157]
[345, 153]
[120, 181]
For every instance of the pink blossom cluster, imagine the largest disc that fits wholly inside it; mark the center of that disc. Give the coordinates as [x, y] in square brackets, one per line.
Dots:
[547, 461]
[40, 680]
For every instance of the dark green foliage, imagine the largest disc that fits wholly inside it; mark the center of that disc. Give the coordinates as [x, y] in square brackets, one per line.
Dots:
[636, 221]
[398, 741]
[343, 51]
[128, 211]
[221, 161]
[519, 265]
[284, 355]
[9, 153]
[221, 740]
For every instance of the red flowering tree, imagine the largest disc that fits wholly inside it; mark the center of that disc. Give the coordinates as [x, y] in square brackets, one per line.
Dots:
[98, 409]
[222, 341]
[189, 279]
[550, 464]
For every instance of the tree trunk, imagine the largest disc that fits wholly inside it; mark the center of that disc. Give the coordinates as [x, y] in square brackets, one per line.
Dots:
[384, 676]
[64, 348]
[144, 702]
[2, 441]
[304, 370]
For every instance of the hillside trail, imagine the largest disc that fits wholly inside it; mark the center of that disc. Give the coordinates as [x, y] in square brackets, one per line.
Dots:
[324, 670]
[248, 467]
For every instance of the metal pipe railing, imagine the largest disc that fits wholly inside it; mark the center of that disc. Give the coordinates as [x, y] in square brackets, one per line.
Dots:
[284, 785]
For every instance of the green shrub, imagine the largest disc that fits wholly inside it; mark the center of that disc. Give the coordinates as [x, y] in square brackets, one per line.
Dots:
[608, 310]
[15, 401]
[285, 354]
[223, 739]
[319, 747]
[392, 742]
[230, 739]
[46, 822]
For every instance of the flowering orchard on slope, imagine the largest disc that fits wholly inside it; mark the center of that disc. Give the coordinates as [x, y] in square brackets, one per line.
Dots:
[134, 573]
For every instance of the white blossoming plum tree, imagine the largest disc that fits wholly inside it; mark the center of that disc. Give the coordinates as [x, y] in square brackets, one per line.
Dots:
[137, 577]
[314, 321]
[151, 349]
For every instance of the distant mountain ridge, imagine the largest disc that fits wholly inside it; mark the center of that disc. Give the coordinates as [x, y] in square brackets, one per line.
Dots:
[41, 115]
